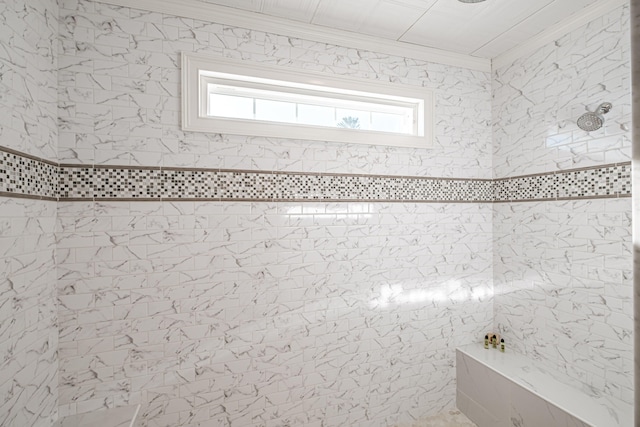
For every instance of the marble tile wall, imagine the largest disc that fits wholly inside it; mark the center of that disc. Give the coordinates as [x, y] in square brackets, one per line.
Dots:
[28, 77]
[635, 67]
[260, 313]
[28, 318]
[28, 315]
[239, 313]
[246, 313]
[563, 291]
[538, 98]
[119, 99]
[562, 270]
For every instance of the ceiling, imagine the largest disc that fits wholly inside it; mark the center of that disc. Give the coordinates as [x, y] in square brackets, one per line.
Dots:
[484, 30]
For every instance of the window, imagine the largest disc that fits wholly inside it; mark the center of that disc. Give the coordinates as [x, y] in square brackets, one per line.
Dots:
[224, 96]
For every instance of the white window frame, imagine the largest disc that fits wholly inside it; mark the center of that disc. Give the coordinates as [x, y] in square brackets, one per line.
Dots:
[197, 67]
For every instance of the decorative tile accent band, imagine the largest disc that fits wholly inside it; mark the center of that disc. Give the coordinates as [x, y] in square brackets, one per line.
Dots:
[26, 176]
[599, 181]
[138, 183]
[22, 175]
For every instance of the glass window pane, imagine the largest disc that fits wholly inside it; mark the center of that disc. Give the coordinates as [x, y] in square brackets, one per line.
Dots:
[316, 115]
[230, 106]
[275, 111]
[268, 103]
[385, 122]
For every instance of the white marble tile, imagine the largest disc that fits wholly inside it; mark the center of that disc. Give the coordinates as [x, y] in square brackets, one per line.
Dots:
[122, 416]
[299, 323]
[28, 315]
[483, 388]
[528, 410]
[28, 112]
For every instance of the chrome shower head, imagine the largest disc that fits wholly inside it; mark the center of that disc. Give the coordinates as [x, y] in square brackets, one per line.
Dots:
[591, 121]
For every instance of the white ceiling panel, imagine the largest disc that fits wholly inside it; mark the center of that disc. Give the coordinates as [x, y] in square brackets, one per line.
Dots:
[463, 28]
[381, 18]
[300, 10]
[484, 30]
[418, 4]
[251, 5]
[545, 17]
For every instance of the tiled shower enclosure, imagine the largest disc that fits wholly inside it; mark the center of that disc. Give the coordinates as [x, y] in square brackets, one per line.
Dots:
[245, 281]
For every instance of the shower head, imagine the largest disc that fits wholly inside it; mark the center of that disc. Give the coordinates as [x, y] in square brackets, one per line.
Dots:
[591, 121]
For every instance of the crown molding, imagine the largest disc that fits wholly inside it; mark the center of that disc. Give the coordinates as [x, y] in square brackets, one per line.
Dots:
[556, 31]
[230, 16]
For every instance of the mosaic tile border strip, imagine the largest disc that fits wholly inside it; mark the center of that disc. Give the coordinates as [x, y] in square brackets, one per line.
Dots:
[116, 183]
[22, 175]
[27, 176]
[612, 180]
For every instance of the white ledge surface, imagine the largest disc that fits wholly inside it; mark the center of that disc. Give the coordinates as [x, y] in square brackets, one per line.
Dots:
[123, 416]
[596, 410]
